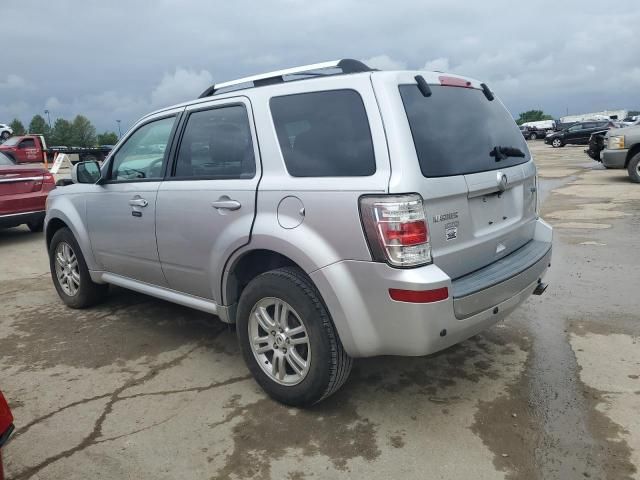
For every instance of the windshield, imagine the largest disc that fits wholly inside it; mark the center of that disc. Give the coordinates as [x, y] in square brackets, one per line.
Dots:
[11, 142]
[456, 131]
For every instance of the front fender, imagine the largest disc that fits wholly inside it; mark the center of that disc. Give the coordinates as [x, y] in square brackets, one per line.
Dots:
[71, 209]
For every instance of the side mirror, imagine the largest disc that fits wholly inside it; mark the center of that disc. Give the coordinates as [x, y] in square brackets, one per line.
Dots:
[85, 172]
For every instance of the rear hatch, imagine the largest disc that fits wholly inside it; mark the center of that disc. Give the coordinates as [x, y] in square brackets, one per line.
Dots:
[467, 158]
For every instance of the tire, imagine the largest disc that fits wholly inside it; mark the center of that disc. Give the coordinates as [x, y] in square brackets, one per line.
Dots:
[87, 293]
[5, 135]
[634, 168]
[327, 364]
[36, 226]
[557, 143]
[533, 136]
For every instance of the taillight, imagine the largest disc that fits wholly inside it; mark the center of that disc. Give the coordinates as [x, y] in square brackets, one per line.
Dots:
[396, 229]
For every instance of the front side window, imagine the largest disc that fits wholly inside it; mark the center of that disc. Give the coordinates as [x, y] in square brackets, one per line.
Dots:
[217, 145]
[28, 143]
[143, 153]
[324, 134]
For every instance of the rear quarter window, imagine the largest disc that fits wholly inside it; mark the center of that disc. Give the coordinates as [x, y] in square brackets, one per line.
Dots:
[324, 134]
[455, 129]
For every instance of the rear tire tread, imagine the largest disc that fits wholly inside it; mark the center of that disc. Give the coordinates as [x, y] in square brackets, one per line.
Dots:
[341, 363]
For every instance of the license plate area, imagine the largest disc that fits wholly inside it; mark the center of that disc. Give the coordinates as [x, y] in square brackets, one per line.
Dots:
[495, 211]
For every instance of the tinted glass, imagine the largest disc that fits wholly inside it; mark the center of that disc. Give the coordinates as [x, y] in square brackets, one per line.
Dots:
[455, 129]
[28, 143]
[142, 155]
[4, 160]
[216, 144]
[324, 134]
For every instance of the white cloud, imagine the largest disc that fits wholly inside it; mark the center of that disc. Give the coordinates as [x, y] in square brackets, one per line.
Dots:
[384, 62]
[14, 82]
[180, 86]
[439, 65]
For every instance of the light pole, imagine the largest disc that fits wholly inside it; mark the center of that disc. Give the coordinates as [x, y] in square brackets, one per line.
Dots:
[119, 131]
[48, 117]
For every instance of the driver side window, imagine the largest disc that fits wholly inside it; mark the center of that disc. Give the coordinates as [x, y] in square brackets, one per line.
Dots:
[142, 156]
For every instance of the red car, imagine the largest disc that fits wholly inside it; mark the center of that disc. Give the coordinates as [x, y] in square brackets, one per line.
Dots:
[23, 193]
[6, 428]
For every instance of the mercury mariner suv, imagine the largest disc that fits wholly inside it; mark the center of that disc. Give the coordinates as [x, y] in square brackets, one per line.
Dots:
[330, 211]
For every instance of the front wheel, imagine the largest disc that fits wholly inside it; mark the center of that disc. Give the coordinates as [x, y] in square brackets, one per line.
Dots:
[70, 273]
[5, 135]
[288, 339]
[557, 143]
[634, 168]
[533, 136]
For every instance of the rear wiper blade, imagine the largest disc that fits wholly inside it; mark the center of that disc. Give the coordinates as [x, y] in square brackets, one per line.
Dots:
[500, 153]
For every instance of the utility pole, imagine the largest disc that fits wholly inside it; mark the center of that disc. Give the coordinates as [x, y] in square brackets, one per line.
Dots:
[119, 131]
[48, 118]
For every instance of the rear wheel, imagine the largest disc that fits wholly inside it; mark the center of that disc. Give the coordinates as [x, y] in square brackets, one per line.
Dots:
[70, 273]
[556, 143]
[5, 135]
[288, 339]
[634, 168]
[533, 136]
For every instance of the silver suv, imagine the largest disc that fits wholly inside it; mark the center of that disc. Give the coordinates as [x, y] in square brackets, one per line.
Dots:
[329, 211]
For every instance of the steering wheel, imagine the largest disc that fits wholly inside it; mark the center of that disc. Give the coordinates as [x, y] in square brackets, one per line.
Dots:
[151, 169]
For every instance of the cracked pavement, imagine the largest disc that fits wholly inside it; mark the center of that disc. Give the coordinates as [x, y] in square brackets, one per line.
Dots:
[140, 388]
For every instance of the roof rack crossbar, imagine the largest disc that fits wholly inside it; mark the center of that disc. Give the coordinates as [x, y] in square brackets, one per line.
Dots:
[347, 65]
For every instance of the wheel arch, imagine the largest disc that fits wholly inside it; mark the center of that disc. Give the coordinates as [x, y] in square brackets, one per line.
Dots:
[632, 153]
[245, 267]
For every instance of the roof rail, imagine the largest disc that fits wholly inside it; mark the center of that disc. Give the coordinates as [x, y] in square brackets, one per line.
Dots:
[347, 65]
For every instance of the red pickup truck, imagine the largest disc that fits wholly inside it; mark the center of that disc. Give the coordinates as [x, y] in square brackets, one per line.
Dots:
[33, 149]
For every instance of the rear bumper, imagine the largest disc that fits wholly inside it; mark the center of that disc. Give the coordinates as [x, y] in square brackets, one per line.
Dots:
[15, 219]
[614, 158]
[370, 323]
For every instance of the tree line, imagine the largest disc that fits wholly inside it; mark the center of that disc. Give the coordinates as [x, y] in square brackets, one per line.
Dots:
[79, 132]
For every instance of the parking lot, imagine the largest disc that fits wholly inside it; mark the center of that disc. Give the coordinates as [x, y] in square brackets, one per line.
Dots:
[141, 388]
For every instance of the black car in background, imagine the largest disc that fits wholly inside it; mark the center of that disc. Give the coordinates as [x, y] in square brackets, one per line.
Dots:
[577, 134]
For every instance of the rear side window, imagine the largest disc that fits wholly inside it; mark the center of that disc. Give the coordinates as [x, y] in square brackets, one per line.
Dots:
[217, 145]
[456, 129]
[324, 134]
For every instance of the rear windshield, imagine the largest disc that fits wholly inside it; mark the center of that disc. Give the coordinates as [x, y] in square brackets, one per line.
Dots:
[456, 129]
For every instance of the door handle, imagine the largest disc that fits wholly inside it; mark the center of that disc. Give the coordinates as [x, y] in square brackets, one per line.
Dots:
[138, 202]
[225, 203]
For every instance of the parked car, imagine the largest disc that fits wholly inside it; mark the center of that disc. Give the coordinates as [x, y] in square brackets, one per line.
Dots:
[6, 428]
[23, 194]
[577, 134]
[622, 150]
[5, 132]
[310, 243]
[532, 133]
[33, 149]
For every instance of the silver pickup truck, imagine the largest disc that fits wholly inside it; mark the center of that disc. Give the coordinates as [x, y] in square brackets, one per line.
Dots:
[622, 150]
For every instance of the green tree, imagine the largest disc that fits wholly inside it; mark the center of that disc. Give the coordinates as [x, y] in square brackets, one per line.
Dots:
[84, 133]
[533, 116]
[62, 133]
[39, 126]
[17, 127]
[107, 138]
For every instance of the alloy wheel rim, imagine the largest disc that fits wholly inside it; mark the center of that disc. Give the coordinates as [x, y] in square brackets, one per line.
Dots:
[279, 341]
[67, 269]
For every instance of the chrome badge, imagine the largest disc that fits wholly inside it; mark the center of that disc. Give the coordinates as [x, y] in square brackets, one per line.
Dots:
[502, 181]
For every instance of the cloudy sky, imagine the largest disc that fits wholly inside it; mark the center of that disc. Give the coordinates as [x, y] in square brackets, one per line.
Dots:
[120, 59]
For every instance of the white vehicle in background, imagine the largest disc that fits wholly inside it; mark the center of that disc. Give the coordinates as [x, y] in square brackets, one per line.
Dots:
[5, 132]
